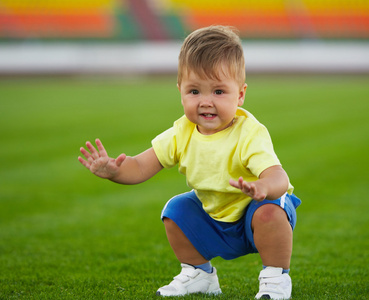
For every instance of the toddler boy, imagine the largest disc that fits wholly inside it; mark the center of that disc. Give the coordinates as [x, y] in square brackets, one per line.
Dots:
[241, 200]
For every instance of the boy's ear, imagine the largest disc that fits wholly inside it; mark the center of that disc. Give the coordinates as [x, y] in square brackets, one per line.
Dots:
[241, 97]
[179, 89]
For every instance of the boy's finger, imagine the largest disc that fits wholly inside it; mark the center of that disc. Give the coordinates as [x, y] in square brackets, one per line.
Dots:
[246, 186]
[234, 183]
[92, 149]
[253, 189]
[83, 162]
[101, 148]
[85, 152]
[120, 159]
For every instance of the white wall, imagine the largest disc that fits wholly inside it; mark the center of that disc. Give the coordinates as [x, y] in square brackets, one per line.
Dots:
[142, 58]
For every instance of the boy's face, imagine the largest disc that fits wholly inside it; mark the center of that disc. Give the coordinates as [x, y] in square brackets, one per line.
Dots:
[211, 103]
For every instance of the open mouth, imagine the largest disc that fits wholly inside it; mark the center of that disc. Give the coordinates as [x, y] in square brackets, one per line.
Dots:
[209, 116]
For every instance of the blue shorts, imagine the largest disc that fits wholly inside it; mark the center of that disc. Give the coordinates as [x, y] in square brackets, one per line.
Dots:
[213, 238]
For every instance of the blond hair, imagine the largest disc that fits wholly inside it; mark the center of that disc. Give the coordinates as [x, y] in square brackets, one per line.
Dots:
[211, 50]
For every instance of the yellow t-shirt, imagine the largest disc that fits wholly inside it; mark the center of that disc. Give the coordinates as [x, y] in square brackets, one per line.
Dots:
[209, 161]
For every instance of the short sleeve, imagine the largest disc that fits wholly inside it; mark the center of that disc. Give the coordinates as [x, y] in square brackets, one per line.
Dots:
[258, 152]
[165, 147]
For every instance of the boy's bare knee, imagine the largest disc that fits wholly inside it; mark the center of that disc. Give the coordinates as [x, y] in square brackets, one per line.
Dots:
[268, 214]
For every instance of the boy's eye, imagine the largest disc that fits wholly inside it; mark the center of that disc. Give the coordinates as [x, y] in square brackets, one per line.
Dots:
[219, 92]
[194, 92]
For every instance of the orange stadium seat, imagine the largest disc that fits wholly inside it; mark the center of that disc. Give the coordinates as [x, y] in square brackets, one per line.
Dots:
[124, 19]
[57, 25]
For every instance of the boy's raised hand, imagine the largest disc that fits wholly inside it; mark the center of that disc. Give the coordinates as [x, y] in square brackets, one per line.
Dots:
[98, 161]
[251, 189]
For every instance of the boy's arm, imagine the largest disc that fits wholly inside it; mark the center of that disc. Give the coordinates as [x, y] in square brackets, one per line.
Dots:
[124, 169]
[271, 185]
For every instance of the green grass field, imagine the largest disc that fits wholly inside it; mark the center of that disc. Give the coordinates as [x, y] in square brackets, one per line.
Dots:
[65, 234]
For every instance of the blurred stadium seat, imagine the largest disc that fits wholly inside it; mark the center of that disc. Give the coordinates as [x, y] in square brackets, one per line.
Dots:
[172, 19]
[126, 36]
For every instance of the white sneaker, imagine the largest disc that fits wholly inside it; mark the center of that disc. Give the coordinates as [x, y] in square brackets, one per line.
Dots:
[274, 284]
[190, 281]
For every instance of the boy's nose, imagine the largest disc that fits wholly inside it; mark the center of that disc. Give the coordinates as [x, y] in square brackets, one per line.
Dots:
[206, 102]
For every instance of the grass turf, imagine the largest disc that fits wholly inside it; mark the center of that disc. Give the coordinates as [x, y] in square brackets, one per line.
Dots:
[65, 234]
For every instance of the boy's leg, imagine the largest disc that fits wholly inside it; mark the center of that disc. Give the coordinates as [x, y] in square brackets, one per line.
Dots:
[196, 237]
[183, 249]
[272, 236]
[188, 230]
[191, 279]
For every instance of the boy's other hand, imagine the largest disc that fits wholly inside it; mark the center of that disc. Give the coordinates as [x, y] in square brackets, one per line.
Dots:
[98, 161]
[251, 189]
